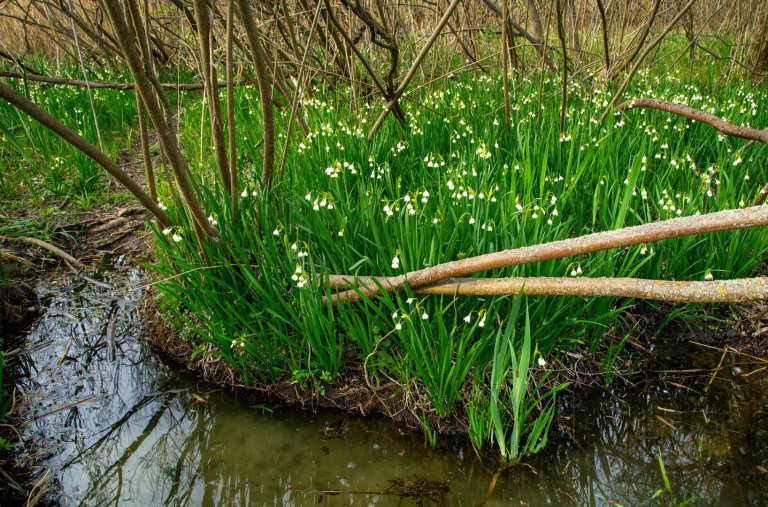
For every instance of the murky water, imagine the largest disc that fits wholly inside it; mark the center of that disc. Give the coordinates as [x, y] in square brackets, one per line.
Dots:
[114, 424]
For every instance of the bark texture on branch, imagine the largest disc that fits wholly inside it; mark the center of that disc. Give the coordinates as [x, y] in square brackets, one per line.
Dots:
[723, 126]
[647, 233]
[720, 291]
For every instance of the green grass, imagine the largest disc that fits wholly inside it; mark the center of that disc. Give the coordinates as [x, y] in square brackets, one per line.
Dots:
[453, 183]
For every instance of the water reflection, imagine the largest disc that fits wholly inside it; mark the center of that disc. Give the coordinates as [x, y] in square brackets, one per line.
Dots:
[116, 425]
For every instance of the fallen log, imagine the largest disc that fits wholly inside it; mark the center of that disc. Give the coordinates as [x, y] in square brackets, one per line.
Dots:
[716, 291]
[666, 229]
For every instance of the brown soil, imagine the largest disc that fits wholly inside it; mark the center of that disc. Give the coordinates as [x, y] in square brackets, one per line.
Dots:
[18, 306]
[115, 226]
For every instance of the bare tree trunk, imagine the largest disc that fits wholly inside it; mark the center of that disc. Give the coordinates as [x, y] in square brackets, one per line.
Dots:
[760, 52]
[533, 14]
[573, 30]
[258, 57]
[149, 170]
[214, 103]
[146, 85]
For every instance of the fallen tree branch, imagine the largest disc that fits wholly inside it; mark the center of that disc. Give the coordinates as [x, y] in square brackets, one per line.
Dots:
[721, 291]
[111, 85]
[46, 246]
[722, 126]
[628, 236]
[5, 254]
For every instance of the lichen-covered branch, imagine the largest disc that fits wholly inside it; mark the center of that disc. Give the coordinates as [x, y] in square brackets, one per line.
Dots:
[590, 243]
[722, 126]
[720, 291]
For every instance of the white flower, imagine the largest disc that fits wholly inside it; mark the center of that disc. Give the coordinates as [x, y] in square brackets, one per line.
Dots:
[276, 232]
[424, 316]
[468, 319]
[167, 231]
[244, 193]
[542, 362]
[708, 276]
[398, 326]
[176, 238]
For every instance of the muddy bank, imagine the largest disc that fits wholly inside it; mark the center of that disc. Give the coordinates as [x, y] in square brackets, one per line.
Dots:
[735, 329]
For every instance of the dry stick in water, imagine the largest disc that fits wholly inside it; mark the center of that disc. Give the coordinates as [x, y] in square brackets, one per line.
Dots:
[724, 291]
[47, 246]
[67, 134]
[722, 126]
[628, 236]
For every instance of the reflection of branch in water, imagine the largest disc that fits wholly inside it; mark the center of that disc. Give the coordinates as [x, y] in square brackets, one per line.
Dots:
[119, 424]
[118, 464]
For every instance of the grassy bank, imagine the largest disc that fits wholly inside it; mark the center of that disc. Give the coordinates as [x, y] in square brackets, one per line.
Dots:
[454, 183]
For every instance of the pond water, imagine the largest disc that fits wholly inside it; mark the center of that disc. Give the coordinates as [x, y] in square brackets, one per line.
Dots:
[111, 423]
